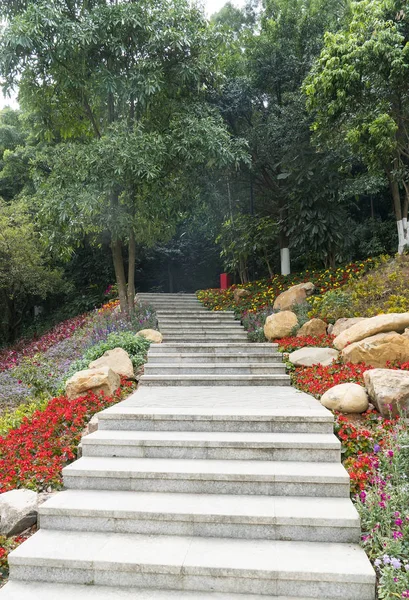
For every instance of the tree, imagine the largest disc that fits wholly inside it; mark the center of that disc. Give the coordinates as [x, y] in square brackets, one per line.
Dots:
[24, 273]
[121, 88]
[262, 101]
[358, 92]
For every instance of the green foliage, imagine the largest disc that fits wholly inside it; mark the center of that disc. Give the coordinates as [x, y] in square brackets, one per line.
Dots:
[135, 346]
[13, 418]
[331, 306]
[245, 236]
[358, 92]
[39, 374]
[24, 273]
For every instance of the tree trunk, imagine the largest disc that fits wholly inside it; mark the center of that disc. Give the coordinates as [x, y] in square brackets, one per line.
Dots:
[131, 272]
[116, 247]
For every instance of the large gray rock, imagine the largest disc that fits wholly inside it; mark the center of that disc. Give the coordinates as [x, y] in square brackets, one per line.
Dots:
[280, 325]
[388, 390]
[307, 357]
[297, 294]
[346, 398]
[343, 324]
[368, 327]
[118, 360]
[96, 380]
[378, 350]
[18, 511]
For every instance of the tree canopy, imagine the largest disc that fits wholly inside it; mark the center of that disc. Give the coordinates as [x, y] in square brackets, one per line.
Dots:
[275, 128]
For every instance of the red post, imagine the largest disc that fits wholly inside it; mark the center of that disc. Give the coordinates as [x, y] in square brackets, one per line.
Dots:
[224, 281]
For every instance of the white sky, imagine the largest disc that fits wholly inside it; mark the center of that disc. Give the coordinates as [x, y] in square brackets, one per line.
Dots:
[211, 6]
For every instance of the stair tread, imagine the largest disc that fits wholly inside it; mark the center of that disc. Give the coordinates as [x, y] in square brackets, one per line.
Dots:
[184, 555]
[295, 510]
[209, 438]
[15, 590]
[237, 470]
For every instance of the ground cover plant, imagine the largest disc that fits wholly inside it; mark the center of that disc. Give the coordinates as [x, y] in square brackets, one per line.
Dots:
[264, 291]
[383, 290]
[38, 370]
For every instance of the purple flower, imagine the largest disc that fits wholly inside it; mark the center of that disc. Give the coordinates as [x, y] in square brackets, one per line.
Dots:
[396, 564]
[376, 448]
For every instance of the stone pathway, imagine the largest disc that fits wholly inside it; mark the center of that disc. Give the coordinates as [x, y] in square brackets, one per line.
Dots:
[214, 481]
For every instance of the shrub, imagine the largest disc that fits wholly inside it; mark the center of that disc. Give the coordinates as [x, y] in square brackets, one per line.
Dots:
[135, 346]
[331, 306]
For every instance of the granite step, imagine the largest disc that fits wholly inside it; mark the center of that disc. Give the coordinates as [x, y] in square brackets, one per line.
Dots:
[200, 409]
[233, 327]
[301, 447]
[219, 347]
[200, 317]
[220, 368]
[215, 380]
[264, 567]
[204, 515]
[208, 357]
[254, 477]
[205, 336]
[200, 312]
[20, 590]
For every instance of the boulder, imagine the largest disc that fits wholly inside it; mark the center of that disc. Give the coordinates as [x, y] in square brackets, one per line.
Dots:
[118, 360]
[377, 350]
[346, 398]
[18, 511]
[152, 335]
[406, 332]
[313, 327]
[306, 357]
[368, 327]
[343, 324]
[95, 380]
[388, 390]
[240, 293]
[296, 294]
[280, 325]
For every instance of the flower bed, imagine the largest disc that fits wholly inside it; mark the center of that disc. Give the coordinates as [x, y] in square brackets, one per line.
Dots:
[41, 374]
[10, 357]
[264, 291]
[376, 452]
[34, 454]
[316, 380]
[292, 343]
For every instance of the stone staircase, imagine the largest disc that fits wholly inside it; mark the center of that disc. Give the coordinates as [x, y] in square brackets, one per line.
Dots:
[197, 492]
[206, 348]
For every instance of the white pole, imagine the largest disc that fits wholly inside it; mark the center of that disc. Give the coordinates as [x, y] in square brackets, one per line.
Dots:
[285, 261]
